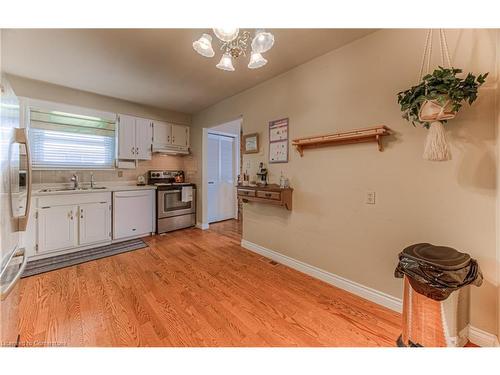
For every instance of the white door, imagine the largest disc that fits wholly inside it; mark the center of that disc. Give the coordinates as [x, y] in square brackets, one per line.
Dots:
[57, 228]
[94, 223]
[221, 178]
[143, 138]
[180, 135]
[126, 137]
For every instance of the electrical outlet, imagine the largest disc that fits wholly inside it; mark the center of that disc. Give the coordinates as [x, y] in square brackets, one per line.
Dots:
[370, 197]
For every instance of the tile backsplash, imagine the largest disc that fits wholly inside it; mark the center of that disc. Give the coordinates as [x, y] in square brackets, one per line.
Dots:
[159, 161]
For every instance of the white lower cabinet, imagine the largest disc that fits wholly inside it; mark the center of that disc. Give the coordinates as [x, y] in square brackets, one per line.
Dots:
[71, 222]
[57, 228]
[94, 223]
[68, 223]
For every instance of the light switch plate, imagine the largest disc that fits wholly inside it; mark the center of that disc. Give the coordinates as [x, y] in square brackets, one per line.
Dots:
[370, 197]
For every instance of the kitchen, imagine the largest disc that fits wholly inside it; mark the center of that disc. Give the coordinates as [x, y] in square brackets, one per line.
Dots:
[69, 218]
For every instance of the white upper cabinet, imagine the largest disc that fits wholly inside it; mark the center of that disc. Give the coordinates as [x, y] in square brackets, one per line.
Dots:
[143, 138]
[126, 137]
[170, 137]
[180, 136]
[162, 134]
[134, 138]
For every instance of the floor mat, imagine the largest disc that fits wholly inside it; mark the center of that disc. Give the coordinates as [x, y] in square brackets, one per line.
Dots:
[66, 260]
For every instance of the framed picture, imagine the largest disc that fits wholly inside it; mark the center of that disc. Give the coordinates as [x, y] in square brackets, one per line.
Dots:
[251, 143]
[278, 141]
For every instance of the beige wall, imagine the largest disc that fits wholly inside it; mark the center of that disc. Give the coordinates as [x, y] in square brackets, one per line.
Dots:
[60, 94]
[451, 203]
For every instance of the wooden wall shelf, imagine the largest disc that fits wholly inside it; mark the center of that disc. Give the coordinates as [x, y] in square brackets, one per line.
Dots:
[269, 194]
[373, 134]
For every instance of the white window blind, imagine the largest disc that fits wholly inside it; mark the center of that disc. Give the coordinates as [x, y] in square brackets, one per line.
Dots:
[64, 140]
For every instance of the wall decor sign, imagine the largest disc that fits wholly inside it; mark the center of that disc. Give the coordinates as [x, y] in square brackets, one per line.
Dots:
[251, 143]
[278, 141]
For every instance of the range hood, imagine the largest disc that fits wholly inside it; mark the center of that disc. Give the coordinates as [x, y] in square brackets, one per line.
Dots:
[170, 150]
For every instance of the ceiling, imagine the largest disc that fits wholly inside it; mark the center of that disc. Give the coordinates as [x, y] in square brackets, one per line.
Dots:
[156, 67]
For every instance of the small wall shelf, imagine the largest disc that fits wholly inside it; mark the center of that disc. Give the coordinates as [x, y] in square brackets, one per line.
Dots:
[268, 194]
[373, 134]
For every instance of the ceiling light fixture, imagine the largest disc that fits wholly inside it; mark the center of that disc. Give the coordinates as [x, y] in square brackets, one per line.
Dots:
[256, 61]
[226, 34]
[262, 42]
[234, 44]
[204, 46]
[226, 63]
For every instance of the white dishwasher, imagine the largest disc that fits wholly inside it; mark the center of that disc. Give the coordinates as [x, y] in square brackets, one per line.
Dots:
[133, 213]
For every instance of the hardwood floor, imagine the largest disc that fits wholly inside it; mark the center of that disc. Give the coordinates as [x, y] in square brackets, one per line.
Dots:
[230, 228]
[196, 288]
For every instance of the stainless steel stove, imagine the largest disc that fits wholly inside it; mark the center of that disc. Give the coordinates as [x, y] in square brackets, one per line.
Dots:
[175, 201]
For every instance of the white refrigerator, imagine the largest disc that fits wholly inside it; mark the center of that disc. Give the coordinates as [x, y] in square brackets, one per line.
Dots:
[15, 195]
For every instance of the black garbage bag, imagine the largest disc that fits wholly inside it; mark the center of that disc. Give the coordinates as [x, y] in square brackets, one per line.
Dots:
[437, 271]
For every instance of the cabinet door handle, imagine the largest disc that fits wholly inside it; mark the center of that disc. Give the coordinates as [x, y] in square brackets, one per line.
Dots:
[81, 213]
[133, 150]
[137, 150]
[71, 214]
[268, 195]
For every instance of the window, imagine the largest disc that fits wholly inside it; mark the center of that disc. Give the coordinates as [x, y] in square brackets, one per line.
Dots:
[64, 140]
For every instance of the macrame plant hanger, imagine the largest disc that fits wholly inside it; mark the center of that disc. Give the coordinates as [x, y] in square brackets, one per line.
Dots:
[436, 147]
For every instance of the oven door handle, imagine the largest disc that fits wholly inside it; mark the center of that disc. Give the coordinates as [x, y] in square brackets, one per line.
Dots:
[172, 191]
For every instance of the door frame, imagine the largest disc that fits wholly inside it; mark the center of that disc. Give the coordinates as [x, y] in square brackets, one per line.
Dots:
[204, 178]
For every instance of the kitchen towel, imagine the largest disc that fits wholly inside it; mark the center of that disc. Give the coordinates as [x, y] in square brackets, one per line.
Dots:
[187, 193]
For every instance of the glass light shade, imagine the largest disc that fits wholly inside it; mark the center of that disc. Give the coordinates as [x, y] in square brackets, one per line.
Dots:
[204, 46]
[262, 42]
[226, 34]
[256, 61]
[226, 63]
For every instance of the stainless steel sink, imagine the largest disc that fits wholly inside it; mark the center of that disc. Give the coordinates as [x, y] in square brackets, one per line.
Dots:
[51, 190]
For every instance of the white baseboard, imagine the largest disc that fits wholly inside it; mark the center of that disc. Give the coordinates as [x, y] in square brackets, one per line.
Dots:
[482, 338]
[202, 226]
[363, 291]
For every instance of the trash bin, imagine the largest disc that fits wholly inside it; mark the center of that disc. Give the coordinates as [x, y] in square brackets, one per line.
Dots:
[435, 300]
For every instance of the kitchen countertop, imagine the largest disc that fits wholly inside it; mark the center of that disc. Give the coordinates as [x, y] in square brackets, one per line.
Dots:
[109, 187]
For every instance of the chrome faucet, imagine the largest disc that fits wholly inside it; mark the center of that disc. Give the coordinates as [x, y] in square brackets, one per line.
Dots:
[92, 180]
[75, 181]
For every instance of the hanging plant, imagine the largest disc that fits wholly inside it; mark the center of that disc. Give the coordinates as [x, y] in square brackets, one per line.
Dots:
[437, 98]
